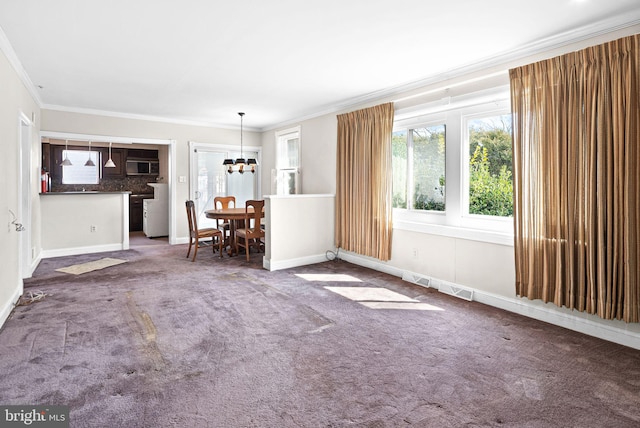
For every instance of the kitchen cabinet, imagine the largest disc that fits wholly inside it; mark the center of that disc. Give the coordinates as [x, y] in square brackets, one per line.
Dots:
[118, 157]
[46, 157]
[55, 162]
[136, 211]
[142, 154]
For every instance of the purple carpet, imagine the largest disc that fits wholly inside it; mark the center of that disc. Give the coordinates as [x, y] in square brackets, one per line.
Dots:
[160, 341]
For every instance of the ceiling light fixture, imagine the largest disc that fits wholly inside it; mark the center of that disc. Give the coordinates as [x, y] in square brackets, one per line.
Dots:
[89, 162]
[66, 161]
[240, 162]
[109, 163]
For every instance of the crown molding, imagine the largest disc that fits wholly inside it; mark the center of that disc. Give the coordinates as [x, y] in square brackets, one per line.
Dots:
[5, 46]
[120, 115]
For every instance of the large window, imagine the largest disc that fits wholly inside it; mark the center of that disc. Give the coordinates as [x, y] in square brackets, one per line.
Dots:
[452, 169]
[78, 172]
[419, 168]
[286, 176]
[490, 163]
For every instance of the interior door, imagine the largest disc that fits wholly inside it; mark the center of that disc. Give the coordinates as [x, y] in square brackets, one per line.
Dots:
[209, 179]
[242, 186]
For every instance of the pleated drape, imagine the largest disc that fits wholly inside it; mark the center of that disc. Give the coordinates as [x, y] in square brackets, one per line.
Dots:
[364, 182]
[577, 179]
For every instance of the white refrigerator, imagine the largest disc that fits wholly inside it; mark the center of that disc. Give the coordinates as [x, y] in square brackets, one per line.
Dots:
[155, 212]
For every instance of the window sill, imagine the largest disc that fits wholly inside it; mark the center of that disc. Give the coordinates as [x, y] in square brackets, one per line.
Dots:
[488, 236]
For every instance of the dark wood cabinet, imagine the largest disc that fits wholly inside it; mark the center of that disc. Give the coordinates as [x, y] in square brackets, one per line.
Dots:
[118, 158]
[136, 211]
[46, 157]
[142, 154]
[55, 161]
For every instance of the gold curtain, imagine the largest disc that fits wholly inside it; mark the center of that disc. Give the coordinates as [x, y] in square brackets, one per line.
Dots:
[363, 182]
[577, 179]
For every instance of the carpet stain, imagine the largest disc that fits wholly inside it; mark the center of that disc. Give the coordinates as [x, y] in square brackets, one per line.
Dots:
[151, 333]
[147, 331]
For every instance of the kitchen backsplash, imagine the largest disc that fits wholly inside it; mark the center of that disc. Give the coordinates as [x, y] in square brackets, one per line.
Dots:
[135, 184]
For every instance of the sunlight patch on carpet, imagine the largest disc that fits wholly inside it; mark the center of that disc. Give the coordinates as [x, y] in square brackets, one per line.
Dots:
[328, 277]
[382, 298]
[91, 266]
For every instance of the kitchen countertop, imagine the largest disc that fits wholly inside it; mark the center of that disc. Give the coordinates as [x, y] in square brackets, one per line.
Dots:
[88, 192]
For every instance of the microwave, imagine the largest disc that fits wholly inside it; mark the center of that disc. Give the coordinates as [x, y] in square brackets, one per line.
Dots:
[143, 167]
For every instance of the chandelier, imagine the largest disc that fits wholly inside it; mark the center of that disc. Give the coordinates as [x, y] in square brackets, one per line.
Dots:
[240, 163]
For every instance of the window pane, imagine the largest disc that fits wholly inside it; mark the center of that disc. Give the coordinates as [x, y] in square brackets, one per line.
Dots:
[242, 186]
[490, 166]
[292, 153]
[399, 159]
[285, 180]
[429, 168]
[78, 173]
[288, 147]
[211, 182]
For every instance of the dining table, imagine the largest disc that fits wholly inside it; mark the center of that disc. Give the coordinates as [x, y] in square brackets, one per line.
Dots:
[233, 216]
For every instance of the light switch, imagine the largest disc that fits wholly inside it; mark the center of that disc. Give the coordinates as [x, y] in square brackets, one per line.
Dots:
[182, 179]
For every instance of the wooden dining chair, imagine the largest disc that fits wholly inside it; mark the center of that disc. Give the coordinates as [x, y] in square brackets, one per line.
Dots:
[224, 202]
[195, 234]
[252, 233]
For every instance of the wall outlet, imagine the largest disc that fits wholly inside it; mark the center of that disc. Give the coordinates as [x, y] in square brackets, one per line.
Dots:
[93, 228]
[414, 253]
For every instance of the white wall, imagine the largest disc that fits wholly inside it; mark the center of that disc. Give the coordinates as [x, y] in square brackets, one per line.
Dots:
[317, 153]
[68, 219]
[299, 229]
[14, 102]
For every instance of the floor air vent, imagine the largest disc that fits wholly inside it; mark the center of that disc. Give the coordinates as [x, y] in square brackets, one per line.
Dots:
[456, 291]
[416, 279]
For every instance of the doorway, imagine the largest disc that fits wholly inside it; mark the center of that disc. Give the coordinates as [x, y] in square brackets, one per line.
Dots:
[209, 178]
[121, 142]
[24, 191]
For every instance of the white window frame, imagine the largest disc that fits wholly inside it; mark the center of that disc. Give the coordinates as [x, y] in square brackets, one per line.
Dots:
[281, 137]
[409, 213]
[478, 221]
[455, 221]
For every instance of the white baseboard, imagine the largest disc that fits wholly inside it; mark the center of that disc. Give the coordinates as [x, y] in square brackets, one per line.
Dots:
[46, 254]
[6, 309]
[370, 263]
[291, 263]
[611, 330]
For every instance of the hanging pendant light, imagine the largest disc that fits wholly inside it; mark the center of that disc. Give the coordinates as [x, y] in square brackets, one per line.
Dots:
[240, 162]
[66, 161]
[109, 163]
[89, 162]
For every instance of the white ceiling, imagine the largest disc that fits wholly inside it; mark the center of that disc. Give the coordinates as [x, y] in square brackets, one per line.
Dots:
[202, 61]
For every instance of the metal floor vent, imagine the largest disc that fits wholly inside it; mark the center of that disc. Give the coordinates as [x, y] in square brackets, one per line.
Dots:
[456, 291]
[416, 279]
